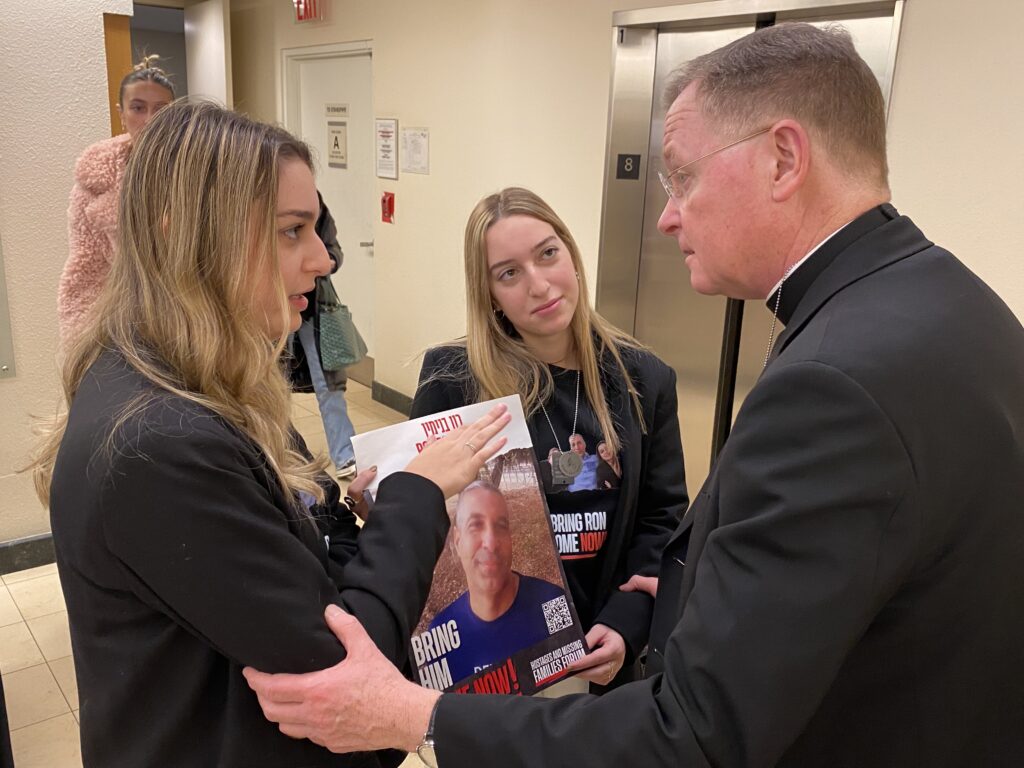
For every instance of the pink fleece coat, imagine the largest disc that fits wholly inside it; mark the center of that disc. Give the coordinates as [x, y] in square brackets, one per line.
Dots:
[92, 227]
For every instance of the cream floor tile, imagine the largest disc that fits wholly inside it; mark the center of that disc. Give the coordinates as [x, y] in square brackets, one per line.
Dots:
[30, 573]
[387, 418]
[52, 743]
[32, 696]
[362, 416]
[75, 713]
[18, 648]
[309, 422]
[363, 397]
[298, 412]
[39, 596]
[9, 613]
[383, 412]
[52, 635]
[308, 425]
[64, 672]
[316, 442]
[359, 409]
[305, 402]
[369, 426]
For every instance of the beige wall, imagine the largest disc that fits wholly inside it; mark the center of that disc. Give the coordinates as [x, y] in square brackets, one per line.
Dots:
[956, 134]
[47, 121]
[517, 93]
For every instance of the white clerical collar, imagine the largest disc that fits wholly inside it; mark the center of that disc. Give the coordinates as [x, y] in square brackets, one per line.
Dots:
[789, 272]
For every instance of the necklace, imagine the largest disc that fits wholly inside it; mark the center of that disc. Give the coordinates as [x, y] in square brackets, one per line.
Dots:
[569, 462]
[775, 317]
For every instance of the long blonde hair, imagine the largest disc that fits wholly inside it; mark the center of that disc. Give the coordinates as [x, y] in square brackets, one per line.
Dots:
[500, 362]
[196, 233]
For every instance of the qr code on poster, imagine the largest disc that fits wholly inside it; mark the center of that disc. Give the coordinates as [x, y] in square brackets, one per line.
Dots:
[556, 614]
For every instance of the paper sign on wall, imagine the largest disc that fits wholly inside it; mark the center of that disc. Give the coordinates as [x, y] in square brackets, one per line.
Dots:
[386, 131]
[416, 150]
[337, 144]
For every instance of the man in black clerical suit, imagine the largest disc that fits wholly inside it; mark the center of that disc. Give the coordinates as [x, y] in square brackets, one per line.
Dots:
[847, 589]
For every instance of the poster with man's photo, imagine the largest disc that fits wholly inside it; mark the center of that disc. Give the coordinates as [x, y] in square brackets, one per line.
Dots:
[499, 618]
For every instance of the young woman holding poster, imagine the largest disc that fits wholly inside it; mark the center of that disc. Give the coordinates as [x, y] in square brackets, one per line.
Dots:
[194, 533]
[531, 331]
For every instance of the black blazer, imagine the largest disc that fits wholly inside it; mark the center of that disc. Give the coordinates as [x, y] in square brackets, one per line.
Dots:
[652, 496]
[182, 562]
[848, 587]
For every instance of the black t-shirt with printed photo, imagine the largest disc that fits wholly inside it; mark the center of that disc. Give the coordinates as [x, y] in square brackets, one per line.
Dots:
[582, 507]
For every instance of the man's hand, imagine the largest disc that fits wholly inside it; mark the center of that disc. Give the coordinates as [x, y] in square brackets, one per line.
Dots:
[607, 652]
[638, 583]
[362, 703]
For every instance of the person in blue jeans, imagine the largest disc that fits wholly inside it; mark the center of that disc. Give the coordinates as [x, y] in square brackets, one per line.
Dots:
[307, 371]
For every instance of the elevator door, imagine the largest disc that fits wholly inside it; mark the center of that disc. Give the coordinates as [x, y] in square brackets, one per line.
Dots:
[683, 327]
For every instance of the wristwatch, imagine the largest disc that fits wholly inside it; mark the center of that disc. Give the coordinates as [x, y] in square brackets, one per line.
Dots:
[425, 751]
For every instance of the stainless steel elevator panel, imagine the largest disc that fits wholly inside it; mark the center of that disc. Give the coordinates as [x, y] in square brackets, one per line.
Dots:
[643, 284]
[629, 121]
[683, 327]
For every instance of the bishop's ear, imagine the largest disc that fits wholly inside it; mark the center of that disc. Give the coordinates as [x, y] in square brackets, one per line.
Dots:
[791, 148]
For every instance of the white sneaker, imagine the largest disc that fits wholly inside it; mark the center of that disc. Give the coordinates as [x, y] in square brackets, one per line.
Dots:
[347, 470]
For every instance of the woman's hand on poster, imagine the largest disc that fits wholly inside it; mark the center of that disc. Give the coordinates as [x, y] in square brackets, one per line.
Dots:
[607, 653]
[638, 583]
[454, 462]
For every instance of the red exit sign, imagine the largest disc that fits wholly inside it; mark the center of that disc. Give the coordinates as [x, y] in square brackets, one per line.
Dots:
[309, 10]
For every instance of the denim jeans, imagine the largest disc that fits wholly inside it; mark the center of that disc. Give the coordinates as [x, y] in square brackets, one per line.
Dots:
[333, 409]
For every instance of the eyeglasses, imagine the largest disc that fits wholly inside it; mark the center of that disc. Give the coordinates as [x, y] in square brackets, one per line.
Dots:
[673, 183]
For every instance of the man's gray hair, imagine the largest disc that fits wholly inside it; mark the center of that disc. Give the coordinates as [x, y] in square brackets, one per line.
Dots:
[477, 485]
[798, 71]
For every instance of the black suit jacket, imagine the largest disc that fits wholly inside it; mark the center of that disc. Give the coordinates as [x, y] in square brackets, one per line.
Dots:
[848, 587]
[182, 561]
[652, 497]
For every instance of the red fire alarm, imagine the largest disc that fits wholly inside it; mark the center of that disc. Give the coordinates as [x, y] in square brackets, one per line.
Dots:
[387, 207]
[309, 10]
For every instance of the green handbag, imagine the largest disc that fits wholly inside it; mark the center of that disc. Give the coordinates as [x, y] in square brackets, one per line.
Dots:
[340, 342]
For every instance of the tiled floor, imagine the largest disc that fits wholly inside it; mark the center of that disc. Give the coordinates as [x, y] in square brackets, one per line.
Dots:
[35, 647]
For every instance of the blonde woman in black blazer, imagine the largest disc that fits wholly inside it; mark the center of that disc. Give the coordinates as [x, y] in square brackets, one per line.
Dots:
[194, 533]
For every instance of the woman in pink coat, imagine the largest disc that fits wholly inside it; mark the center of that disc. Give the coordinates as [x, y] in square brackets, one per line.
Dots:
[92, 214]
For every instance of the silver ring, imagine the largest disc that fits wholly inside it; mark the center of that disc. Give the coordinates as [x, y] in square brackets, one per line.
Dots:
[471, 447]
